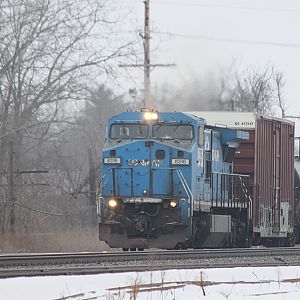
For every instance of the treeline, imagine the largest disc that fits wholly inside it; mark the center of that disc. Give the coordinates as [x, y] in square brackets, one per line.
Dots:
[53, 55]
[254, 89]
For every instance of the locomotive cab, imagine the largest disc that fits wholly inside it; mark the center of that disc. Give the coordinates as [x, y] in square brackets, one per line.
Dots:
[167, 182]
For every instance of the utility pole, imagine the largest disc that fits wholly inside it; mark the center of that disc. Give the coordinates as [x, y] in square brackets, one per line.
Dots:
[92, 183]
[11, 189]
[146, 65]
[147, 81]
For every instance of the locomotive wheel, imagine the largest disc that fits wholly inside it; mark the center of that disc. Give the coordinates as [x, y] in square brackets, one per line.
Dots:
[290, 241]
[125, 249]
[247, 243]
[132, 249]
[256, 239]
[180, 246]
[140, 249]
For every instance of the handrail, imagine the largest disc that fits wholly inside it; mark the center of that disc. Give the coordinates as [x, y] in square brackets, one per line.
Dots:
[238, 179]
[230, 174]
[102, 179]
[184, 183]
[190, 196]
[247, 196]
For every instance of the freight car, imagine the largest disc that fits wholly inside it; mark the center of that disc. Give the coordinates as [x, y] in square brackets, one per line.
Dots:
[297, 188]
[169, 181]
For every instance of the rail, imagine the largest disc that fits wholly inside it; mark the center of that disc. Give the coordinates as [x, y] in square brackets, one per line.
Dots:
[15, 265]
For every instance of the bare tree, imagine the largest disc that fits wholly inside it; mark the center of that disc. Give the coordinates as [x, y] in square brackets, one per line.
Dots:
[78, 157]
[49, 51]
[262, 91]
[279, 86]
[255, 90]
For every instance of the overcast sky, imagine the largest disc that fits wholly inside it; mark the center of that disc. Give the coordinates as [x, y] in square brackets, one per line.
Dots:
[206, 37]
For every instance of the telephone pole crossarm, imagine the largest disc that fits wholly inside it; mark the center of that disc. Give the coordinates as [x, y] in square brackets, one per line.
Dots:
[147, 64]
[143, 66]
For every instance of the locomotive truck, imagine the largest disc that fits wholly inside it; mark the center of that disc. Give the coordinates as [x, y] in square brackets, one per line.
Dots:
[173, 180]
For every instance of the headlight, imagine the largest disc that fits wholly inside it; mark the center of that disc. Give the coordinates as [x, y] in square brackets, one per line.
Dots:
[180, 161]
[112, 203]
[173, 203]
[150, 116]
[112, 160]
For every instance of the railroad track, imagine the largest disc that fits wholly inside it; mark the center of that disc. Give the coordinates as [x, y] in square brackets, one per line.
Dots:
[15, 265]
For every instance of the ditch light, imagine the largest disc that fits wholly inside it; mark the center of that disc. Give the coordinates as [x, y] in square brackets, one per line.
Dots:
[112, 203]
[173, 203]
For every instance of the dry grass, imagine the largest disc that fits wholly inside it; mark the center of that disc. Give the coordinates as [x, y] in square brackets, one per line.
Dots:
[139, 287]
[167, 288]
[81, 239]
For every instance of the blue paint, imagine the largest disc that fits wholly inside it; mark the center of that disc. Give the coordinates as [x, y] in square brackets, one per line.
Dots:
[146, 169]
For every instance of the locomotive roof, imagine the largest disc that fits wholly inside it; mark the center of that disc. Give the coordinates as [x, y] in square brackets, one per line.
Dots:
[163, 116]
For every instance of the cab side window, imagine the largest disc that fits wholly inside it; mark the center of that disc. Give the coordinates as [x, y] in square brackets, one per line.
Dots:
[200, 137]
[208, 155]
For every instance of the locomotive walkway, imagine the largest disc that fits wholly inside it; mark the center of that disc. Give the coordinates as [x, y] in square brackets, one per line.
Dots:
[16, 265]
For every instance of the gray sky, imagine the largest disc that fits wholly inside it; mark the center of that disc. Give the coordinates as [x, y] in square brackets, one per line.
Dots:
[207, 34]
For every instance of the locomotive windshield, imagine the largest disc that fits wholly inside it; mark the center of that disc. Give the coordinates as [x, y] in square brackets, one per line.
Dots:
[129, 131]
[172, 131]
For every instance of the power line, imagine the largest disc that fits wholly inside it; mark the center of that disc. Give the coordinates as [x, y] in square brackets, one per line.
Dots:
[228, 40]
[203, 5]
[56, 214]
[227, 6]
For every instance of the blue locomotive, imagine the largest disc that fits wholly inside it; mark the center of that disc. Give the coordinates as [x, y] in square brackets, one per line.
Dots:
[168, 182]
